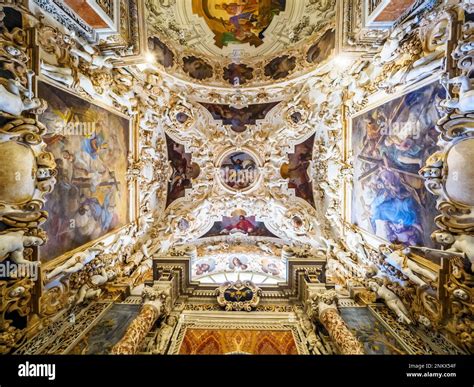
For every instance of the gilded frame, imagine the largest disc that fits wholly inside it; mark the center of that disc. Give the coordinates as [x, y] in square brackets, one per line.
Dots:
[234, 321]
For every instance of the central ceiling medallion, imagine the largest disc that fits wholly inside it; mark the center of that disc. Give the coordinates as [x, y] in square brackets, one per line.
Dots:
[239, 171]
[238, 21]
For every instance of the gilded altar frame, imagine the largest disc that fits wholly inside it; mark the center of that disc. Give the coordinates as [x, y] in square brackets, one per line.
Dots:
[234, 321]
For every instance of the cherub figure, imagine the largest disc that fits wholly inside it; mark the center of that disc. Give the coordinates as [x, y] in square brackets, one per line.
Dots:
[391, 300]
[465, 102]
[12, 245]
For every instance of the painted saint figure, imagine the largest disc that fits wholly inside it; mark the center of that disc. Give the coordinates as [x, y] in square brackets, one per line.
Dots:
[391, 143]
[242, 225]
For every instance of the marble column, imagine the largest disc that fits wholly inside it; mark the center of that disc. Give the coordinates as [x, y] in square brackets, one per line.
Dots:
[138, 329]
[325, 306]
[157, 301]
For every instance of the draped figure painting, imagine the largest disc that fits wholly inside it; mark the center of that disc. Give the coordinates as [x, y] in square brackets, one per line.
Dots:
[240, 224]
[390, 144]
[91, 146]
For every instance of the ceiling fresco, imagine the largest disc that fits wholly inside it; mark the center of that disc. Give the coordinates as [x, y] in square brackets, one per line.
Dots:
[239, 224]
[162, 54]
[240, 43]
[197, 68]
[239, 119]
[296, 171]
[240, 152]
[239, 171]
[183, 170]
[230, 266]
[237, 21]
[323, 48]
[238, 74]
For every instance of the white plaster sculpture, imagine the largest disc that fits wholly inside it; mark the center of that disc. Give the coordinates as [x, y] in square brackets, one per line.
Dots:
[392, 301]
[140, 253]
[420, 69]
[218, 247]
[329, 190]
[463, 244]
[74, 264]
[390, 48]
[91, 289]
[465, 102]
[138, 258]
[336, 271]
[164, 335]
[264, 247]
[333, 214]
[127, 100]
[356, 243]
[97, 61]
[68, 77]
[15, 99]
[399, 259]
[91, 55]
[12, 245]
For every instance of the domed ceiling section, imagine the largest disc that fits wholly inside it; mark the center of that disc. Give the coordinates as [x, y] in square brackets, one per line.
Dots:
[247, 43]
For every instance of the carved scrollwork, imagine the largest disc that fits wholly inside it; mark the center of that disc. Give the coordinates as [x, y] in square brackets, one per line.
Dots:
[456, 126]
[238, 295]
[444, 170]
[460, 290]
[54, 299]
[28, 169]
[15, 298]
[181, 117]
[448, 177]
[297, 116]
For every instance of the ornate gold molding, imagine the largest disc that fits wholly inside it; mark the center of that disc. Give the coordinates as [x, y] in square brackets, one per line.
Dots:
[238, 295]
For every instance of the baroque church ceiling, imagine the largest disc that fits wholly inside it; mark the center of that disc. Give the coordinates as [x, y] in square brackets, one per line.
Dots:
[241, 163]
[296, 149]
[240, 43]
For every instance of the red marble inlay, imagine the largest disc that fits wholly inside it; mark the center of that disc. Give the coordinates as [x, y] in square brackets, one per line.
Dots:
[86, 13]
[393, 10]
